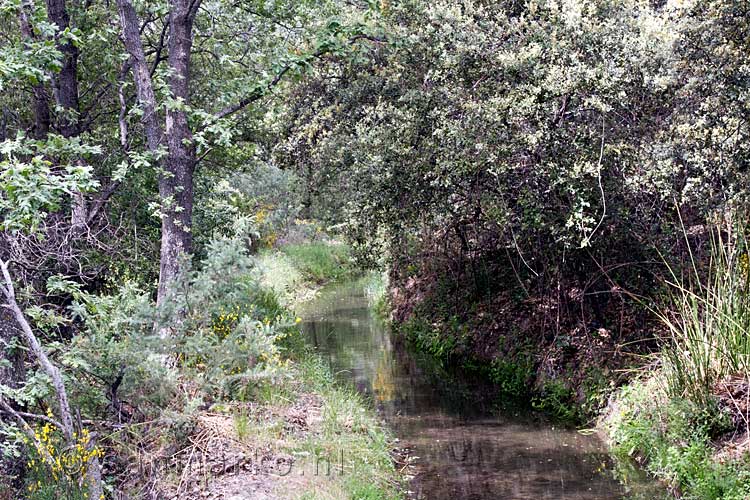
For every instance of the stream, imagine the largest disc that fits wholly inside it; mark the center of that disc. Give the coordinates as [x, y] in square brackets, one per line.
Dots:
[465, 449]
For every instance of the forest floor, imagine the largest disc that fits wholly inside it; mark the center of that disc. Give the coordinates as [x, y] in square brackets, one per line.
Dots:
[306, 437]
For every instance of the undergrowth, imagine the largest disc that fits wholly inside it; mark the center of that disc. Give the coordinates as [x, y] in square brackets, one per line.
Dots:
[672, 438]
[320, 261]
[675, 421]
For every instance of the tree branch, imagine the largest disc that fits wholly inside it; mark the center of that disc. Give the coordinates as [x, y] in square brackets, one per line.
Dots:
[6, 408]
[259, 94]
[66, 418]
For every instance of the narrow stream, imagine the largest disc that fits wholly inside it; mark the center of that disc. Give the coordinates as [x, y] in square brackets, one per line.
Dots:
[465, 451]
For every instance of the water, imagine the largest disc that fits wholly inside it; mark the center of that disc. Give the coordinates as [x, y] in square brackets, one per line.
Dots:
[466, 451]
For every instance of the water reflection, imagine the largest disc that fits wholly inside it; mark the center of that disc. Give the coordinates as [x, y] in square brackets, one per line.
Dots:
[464, 451]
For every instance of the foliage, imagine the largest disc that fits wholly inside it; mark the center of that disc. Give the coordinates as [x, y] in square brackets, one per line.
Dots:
[536, 159]
[31, 186]
[259, 201]
[224, 328]
[671, 437]
[671, 420]
[457, 125]
[708, 319]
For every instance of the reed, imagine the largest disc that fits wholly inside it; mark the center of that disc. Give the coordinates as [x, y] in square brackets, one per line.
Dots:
[708, 319]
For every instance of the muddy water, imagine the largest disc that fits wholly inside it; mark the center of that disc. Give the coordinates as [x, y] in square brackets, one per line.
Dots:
[465, 450]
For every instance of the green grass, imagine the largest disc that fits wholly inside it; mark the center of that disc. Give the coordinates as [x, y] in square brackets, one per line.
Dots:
[349, 430]
[294, 272]
[671, 438]
[708, 317]
[320, 261]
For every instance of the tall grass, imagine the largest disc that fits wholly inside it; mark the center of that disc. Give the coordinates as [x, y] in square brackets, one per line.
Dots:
[320, 261]
[708, 318]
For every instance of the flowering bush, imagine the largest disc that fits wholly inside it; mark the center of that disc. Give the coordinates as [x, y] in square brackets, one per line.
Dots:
[67, 466]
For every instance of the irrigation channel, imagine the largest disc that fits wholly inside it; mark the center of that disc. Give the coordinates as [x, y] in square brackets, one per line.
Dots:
[465, 449]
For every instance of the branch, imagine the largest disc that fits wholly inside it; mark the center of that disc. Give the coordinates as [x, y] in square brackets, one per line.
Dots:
[258, 94]
[102, 200]
[601, 188]
[6, 408]
[160, 48]
[66, 419]
[27, 430]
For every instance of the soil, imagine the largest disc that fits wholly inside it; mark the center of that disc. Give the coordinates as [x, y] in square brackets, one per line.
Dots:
[218, 463]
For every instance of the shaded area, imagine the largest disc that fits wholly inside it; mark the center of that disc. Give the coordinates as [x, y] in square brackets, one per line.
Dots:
[464, 450]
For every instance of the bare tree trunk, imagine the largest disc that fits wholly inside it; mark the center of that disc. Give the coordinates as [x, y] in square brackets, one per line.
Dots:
[177, 186]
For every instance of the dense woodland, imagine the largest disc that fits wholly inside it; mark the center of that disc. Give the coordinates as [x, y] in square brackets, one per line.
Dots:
[556, 189]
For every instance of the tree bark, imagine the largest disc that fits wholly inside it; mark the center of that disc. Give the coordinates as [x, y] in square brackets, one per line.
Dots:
[41, 99]
[176, 180]
[131, 38]
[66, 96]
[66, 82]
[176, 187]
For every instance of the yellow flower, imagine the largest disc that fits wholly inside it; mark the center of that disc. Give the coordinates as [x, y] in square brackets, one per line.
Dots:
[298, 320]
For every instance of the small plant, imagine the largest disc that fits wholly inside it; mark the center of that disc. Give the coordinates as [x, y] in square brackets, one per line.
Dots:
[55, 467]
[558, 400]
[242, 425]
[671, 438]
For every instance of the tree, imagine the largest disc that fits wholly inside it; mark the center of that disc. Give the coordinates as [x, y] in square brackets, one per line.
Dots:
[176, 179]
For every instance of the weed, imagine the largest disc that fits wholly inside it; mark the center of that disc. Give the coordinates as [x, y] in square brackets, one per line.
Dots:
[242, 425]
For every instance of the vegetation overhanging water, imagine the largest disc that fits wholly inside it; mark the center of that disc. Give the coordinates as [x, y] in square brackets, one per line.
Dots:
[463, 447]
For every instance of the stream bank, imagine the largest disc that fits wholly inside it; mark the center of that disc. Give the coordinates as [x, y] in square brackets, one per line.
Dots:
[692, 441]
[461, 446]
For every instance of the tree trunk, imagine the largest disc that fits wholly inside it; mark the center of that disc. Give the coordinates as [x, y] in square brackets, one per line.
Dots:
[66, 82]
[176, 186]
[41, 99]
[66, 96]
[176, 183]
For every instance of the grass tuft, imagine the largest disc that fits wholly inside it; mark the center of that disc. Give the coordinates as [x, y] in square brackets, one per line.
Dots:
[708, 318]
